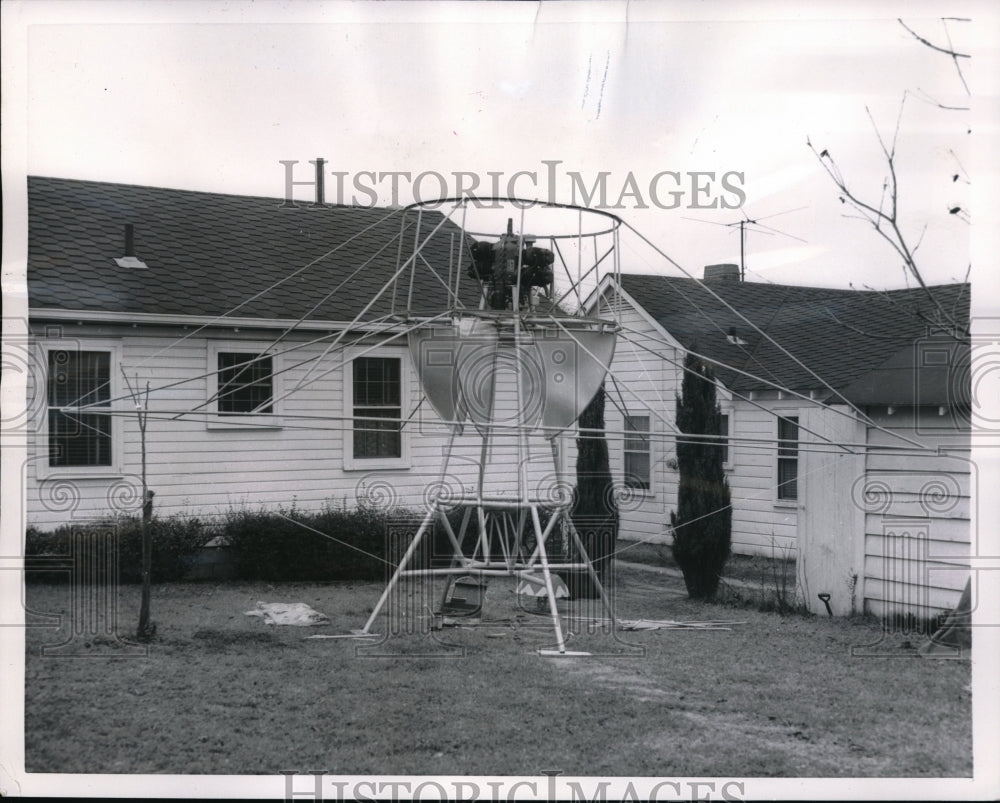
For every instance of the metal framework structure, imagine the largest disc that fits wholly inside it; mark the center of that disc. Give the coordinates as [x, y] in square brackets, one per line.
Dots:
[528, 316]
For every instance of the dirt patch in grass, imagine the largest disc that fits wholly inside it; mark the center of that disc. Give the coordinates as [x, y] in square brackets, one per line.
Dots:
[225, 693]
[645, 552]
[741, 570]
[216, 639]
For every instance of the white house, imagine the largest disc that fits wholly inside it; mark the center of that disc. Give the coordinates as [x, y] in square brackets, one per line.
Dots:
[261, 330]
[847, 415]
[276, 378]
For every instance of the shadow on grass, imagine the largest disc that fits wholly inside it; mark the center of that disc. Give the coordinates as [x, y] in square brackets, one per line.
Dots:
[217, 639]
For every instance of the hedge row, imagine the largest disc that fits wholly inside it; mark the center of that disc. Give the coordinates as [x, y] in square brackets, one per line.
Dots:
[53, 556]
[283, 544]
[335, 543]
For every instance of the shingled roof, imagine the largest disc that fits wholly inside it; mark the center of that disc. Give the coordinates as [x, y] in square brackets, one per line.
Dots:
[210, 254]
[838, 338]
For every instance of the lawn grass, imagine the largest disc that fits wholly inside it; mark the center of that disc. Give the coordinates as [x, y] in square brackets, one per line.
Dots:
[221, 692]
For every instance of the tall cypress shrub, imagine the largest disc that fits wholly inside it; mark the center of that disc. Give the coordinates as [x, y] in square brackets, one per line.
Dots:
[702, 524]
[594, 511]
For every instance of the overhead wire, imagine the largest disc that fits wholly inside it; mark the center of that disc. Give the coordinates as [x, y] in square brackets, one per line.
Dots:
[94, 408]
[221, 317]
[746, 320]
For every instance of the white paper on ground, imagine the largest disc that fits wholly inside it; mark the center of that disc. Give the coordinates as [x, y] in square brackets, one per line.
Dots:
[289, 613]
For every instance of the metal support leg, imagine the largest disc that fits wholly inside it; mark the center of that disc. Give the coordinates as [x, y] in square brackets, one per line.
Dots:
[402, 565]
[548, 579]
[593, 573]
[456, 542]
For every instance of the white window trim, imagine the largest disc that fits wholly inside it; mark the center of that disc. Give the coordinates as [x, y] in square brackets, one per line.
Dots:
[729, 411]
[649, 492]
[352, 463]
[257, 421]
[45, 471]
[779, 502]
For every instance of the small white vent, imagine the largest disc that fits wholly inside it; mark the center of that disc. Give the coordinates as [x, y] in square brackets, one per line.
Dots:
[130, 262]
[733, 338]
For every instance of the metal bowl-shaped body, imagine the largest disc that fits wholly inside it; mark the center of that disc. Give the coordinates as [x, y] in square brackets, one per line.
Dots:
[495, 369]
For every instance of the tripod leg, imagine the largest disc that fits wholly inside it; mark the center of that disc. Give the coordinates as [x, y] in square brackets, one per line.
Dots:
[402, 566]
[456, 543]
[593, 573]
[548, 579]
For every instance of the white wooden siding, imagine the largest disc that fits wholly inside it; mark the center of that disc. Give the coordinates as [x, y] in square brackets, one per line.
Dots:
[918, 512]
[643, 383]
[830, 556]
[648, 368]
[761, 524]
[204, 471]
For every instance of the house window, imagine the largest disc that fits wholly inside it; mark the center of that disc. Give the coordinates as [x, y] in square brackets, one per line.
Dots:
[79, 379]
[788, 458]
[724, 440]
[637, 452]
[245, 383]
[377, 396]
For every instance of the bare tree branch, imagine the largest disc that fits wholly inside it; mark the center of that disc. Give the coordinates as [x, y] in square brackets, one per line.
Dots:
[934, 102]
[954, 58]
[949, 51]
[941, 323]
[960, 167]
[884, 221]
[931, 45]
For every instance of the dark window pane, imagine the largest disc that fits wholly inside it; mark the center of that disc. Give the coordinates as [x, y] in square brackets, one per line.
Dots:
[78, 379]
[637, 470]
[788, 473]
[788, 462]
[724, 430]
[375, 438]
[640, 424]
[376, 381]
[788, 435]
[245, 383]
[636, 464]
[377, 395]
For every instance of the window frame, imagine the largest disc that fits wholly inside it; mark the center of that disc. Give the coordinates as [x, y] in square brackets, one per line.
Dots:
[44, 468]
[648, 451]
[786, 501]
[350, 462]
[246, 421]
[730, 416]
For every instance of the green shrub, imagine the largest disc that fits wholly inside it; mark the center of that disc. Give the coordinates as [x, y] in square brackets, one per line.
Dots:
[594, 510]
[332, 544]
[283, 544]
[46, 553]
[175, 539]
[702, 524]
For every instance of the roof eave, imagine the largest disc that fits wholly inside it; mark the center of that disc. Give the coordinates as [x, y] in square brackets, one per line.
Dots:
[225, 321]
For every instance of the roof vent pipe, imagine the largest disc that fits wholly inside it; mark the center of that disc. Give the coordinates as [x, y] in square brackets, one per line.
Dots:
[734, 338]
[129, 260]
[320, 194]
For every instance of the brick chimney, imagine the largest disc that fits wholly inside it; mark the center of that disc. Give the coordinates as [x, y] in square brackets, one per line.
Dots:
[726, 272]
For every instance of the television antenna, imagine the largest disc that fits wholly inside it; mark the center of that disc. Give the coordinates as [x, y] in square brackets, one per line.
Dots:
[745, 222]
